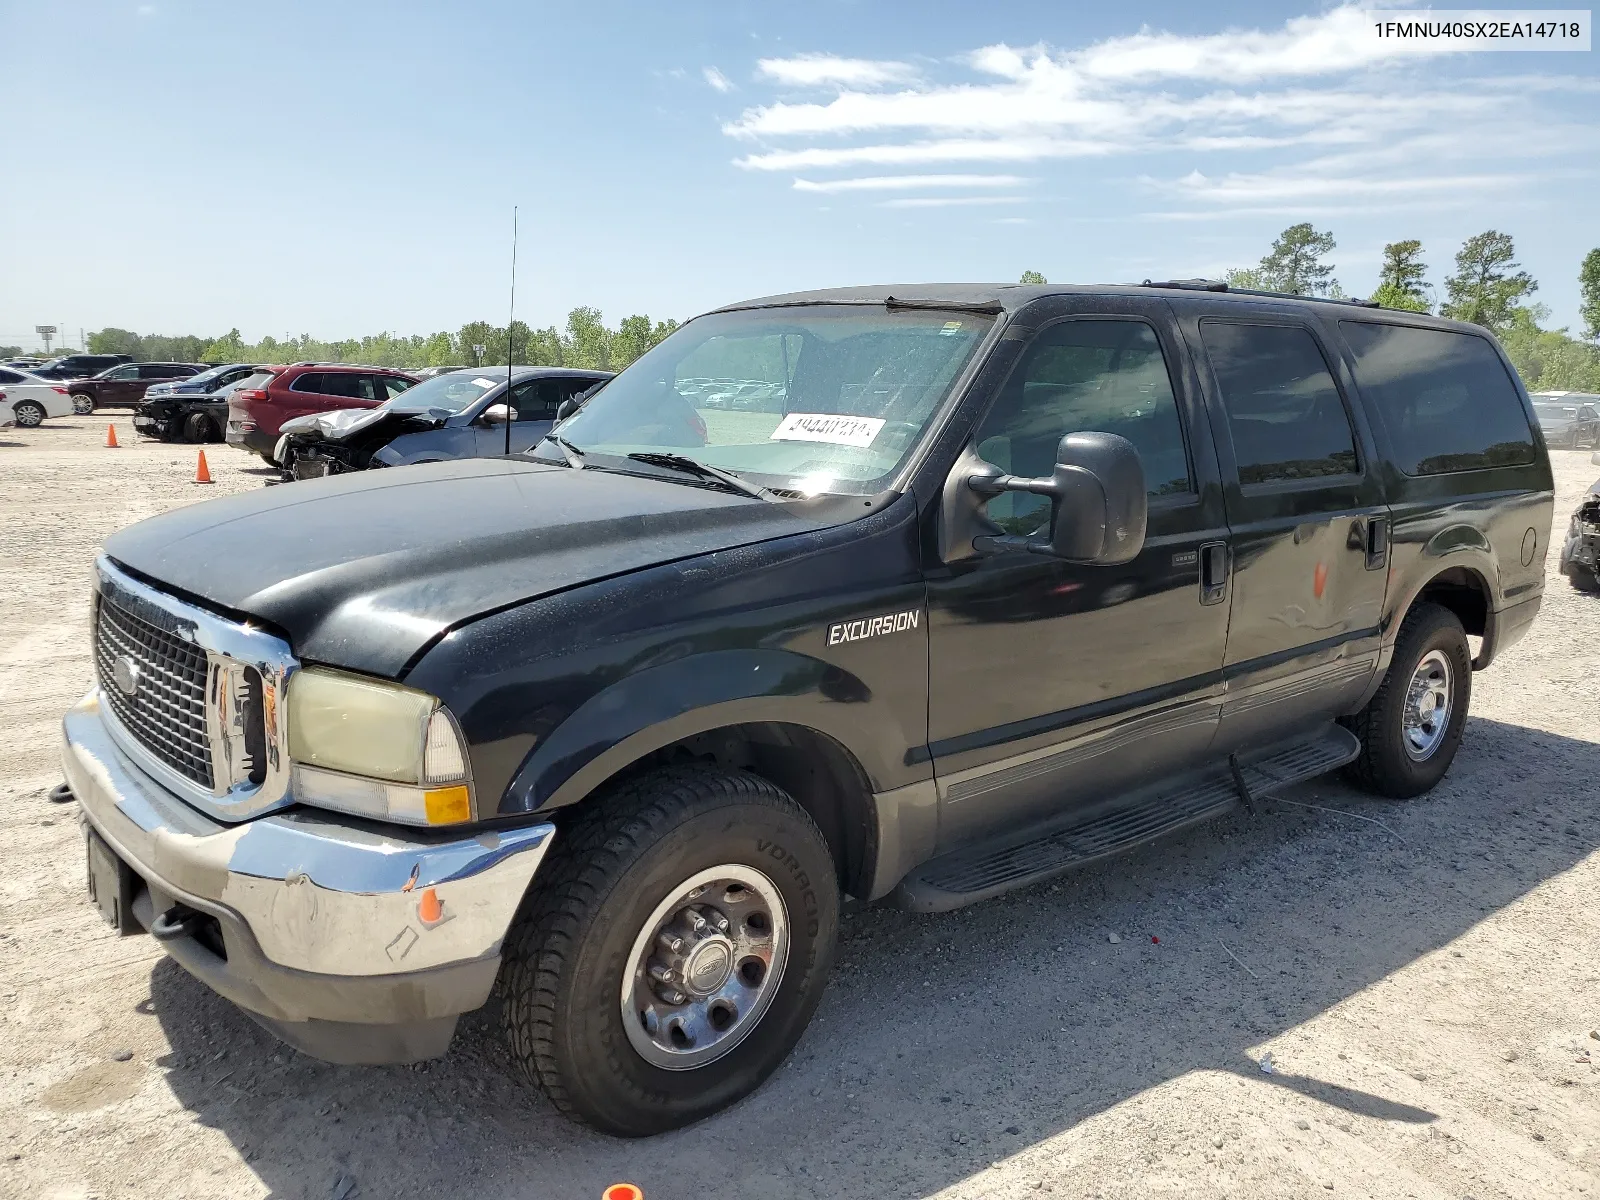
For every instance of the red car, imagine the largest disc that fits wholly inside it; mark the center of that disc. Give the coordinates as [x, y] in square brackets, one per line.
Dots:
[255, 414]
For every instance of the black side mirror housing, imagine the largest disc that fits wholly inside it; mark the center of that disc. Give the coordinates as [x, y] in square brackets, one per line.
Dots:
[1099, 509]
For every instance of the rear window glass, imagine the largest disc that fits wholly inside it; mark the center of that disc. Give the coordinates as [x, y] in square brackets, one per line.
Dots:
[1445, 398]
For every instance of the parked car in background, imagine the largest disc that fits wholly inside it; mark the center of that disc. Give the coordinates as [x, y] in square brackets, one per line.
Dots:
[213, 379]
[195, 417]
[430, 372]
[126, 384]
[256, 415]
[1580, 550]
[79, 366]
[24, 363]
[460, 415]
[1570, 420]
[6, 419]
[33, 399]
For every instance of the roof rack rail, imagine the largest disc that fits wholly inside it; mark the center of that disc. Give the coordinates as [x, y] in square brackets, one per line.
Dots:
[1220, 285]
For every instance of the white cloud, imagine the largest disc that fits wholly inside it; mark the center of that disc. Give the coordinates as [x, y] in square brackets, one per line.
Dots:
[717, 79]
[947, 201]
[146, 10]
[1367, 123]
[879, 183]
[823, 70]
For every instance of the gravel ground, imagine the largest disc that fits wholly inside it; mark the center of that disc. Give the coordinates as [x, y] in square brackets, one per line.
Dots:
[1426, 979]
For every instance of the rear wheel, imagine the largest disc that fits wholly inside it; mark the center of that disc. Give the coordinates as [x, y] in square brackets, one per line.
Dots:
[197, 427]
[83, 405]
[1412, 726]
[30, 414]
[672, 950]
[1585, 579]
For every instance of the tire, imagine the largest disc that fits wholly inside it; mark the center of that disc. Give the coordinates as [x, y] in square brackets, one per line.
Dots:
[29, 414]
[1584, 580]
[617, 874]
[197, 427]
[83, 406]
[1396, 761]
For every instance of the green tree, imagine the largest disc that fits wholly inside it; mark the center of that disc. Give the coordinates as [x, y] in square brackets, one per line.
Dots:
[1487, 288]
[10, 351]
[1589, 295]
[1294, 264]
[476, 333]
[440, 351]
[1246, 277]
[229, 348]
[588, 341]
[112, 340]
[1548, 359]
[1032, 277]
[1400, 278]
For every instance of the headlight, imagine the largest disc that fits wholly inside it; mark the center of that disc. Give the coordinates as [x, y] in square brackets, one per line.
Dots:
[376, 749]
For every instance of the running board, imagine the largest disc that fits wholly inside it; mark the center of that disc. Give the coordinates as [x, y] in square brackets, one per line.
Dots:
[991, 868]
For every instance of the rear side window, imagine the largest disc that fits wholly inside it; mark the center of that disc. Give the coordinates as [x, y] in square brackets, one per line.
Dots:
[1445, 398]
[393, 385]
[1284, 410]
[311, 381]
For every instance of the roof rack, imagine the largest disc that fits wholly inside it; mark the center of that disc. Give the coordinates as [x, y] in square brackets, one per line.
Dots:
[1221, 285]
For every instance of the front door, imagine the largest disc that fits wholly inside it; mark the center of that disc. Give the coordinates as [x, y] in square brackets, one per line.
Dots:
[1053, 685]
[1310, 526]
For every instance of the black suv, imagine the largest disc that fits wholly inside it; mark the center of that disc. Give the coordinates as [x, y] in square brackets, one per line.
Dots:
[916, 592]
[79, 366]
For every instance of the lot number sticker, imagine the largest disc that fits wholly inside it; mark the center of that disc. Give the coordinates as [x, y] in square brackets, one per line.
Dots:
[827, 427]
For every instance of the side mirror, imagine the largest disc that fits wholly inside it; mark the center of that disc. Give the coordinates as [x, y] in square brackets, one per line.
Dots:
[1099, 509]
[498, 414]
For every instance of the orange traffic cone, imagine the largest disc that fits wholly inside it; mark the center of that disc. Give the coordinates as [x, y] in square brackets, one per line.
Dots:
[202, 473]
[111, 437]
[623, 1191]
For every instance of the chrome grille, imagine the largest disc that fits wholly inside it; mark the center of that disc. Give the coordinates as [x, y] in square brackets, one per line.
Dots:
[167, 712]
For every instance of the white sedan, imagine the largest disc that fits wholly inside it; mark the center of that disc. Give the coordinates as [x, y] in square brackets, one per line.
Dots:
[30, 399]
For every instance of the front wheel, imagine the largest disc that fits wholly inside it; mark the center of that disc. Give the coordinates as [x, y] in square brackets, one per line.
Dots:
[197, 427]
[1412, 726]
[672, 951]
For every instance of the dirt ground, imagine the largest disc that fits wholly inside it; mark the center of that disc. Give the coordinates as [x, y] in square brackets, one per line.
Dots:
[1426, 979]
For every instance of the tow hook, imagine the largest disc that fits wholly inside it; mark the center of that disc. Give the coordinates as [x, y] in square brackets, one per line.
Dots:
[179, 921]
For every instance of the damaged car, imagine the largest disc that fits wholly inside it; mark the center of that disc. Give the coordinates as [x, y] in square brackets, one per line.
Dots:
[464, 414]
[1580, 552]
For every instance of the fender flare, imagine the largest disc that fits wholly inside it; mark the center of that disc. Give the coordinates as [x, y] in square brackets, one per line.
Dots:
[662, 704]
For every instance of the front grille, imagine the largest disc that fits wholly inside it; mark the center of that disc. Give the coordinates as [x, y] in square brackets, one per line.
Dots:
[167, 712]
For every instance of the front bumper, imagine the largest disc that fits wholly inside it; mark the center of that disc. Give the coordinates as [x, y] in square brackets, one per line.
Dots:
[320, 917]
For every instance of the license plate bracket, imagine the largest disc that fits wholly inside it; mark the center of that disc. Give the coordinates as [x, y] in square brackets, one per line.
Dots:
[310, 468]
[110, 884]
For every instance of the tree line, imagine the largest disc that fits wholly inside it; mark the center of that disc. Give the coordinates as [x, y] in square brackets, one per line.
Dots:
[585, 341]
[1489, 288]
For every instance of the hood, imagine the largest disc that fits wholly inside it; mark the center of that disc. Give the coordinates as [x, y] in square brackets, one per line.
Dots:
[366, 569]
[339, 423]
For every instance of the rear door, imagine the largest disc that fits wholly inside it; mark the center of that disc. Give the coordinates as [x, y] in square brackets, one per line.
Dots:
[1306, 506]
[1054, 685]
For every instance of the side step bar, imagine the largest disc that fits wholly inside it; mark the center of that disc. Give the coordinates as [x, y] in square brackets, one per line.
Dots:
[991, 868]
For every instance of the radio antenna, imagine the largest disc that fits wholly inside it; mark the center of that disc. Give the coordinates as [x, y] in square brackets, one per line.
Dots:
[511, 324]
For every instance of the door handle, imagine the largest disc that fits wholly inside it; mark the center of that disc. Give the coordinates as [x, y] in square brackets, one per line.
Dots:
[1214, 566]
[1377, 543]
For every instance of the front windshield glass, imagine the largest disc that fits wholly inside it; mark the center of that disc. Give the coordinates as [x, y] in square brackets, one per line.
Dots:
[209, 375]
[805, 398]
[451, 392]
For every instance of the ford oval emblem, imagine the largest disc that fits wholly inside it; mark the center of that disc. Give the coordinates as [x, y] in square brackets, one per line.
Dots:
[125, 673]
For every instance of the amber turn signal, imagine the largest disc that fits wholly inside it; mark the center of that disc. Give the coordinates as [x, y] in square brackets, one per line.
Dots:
[447, 805]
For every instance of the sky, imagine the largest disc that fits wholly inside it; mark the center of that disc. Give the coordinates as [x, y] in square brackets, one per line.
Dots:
[341, 168]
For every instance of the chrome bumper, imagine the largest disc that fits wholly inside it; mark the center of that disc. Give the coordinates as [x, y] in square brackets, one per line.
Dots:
[312, 892]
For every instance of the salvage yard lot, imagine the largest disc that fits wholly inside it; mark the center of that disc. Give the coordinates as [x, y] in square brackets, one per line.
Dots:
[1426, 980]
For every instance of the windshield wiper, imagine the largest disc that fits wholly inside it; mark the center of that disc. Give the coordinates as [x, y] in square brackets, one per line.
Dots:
[729, 481]
[571, 453]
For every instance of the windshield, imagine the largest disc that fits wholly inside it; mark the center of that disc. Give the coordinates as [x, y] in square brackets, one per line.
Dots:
[450, 392]
[807, 398]
[211, 375]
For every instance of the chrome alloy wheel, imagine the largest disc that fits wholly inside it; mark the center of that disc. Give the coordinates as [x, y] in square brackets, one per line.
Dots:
[704, 967]
[82, 405]
[1426, 715]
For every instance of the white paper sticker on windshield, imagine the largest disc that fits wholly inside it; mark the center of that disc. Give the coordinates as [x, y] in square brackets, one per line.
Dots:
[486, 383]
[827, 427]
